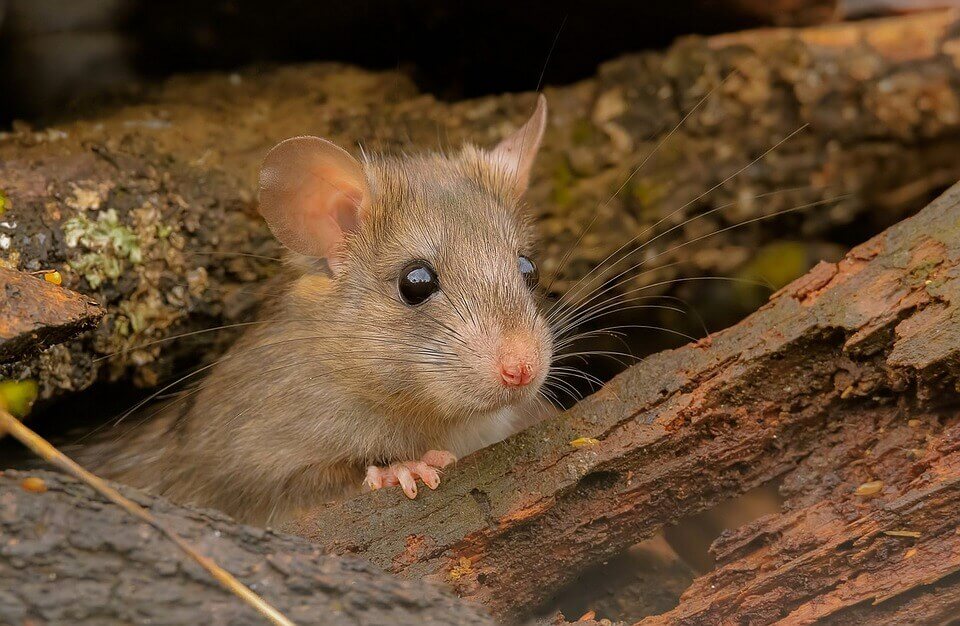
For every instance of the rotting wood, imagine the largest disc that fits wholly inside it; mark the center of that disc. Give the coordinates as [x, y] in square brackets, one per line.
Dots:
[687, 428]
[35, 314]
[142, 206]
[67, 556]
[837, 557]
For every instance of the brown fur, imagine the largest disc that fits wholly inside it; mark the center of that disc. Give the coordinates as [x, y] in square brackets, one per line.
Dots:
[345, 375]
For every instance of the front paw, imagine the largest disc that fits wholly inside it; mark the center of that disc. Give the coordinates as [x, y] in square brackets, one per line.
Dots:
[406, 473]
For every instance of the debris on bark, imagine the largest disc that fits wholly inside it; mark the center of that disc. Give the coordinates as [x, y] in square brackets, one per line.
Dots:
[69, 556]
[144, 207]
[819, 385]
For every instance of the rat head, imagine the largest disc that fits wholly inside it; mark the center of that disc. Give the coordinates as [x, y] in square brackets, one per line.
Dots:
[433, 272]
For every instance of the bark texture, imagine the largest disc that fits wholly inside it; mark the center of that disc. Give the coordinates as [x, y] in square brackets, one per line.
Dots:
[839, 380]
[145, 205]
[69, 557]
[35, 314]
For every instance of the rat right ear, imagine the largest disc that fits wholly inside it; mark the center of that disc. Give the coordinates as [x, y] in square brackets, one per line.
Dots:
[312, 193]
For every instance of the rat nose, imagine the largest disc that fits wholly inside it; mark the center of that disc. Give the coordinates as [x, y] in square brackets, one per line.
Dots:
[515, 373]
[517, 367]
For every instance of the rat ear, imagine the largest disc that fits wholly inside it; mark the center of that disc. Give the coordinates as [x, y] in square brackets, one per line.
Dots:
[312, 193]
[517, 152]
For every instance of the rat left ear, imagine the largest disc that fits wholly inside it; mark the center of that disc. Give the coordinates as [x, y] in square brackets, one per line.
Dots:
[517, 152]
[312, 194]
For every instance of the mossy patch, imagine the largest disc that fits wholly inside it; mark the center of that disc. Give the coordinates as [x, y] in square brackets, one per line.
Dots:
[4, 203]
[109, 243]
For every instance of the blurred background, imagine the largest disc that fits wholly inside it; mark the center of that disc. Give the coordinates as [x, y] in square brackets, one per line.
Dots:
[56, 56]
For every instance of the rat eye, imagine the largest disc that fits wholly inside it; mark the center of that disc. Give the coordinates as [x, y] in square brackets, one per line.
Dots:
[417, 282]
[529, 270]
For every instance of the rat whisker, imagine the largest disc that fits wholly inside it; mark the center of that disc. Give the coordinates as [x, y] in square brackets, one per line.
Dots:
[658, 236]
[453, 334]
[656, 328]
[624, 275]
[577, 373]
[548, 395]
[560, 334]
[229, 253]
[683, 207]
[608, 308]
[633, 173]
[562, 385]
[188, 334]
[673, 281]
[233, 356]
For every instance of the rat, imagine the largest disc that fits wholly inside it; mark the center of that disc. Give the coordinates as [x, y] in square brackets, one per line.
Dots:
[406, 333]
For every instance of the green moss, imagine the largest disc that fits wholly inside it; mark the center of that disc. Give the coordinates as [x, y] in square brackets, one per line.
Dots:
[109, 243]
[4, 202]
[18, 396]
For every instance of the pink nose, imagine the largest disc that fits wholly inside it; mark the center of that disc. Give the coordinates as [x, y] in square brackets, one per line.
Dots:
[514, 371]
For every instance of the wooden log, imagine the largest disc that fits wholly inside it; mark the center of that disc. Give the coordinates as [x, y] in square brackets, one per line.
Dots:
[688, 428]
[67, 556]
[868, 536]
[35, 314]
[144, 206]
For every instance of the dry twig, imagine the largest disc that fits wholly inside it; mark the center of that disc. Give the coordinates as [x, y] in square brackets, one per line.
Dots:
[45, 450]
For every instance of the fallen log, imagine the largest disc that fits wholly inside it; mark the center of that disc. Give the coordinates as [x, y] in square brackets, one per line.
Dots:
[868, 536]
[36, 314]
[861, 342]
[67, 556]
[145, 206]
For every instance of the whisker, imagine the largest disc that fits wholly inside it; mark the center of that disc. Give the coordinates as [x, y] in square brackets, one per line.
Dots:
[229, 253]
[623, 276]
[697, 198]
[633, 173]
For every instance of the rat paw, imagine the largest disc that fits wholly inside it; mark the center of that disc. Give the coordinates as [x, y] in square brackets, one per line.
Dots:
[406, 473]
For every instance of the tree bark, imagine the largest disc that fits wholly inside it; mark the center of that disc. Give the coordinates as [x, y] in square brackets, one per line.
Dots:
[836, 556]
[145, 206]
[834, 366]
[36, 314]
[67, 556]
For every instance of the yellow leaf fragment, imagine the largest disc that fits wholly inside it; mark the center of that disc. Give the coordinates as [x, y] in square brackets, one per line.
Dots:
[580, 442]
[53, 277]
[463, 568]
[871, 488]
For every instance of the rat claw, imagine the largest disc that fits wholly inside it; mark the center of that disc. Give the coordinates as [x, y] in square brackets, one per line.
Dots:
[406, 479]
[438, 458]
[429, 476]
[406, 473]
[374, 478]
